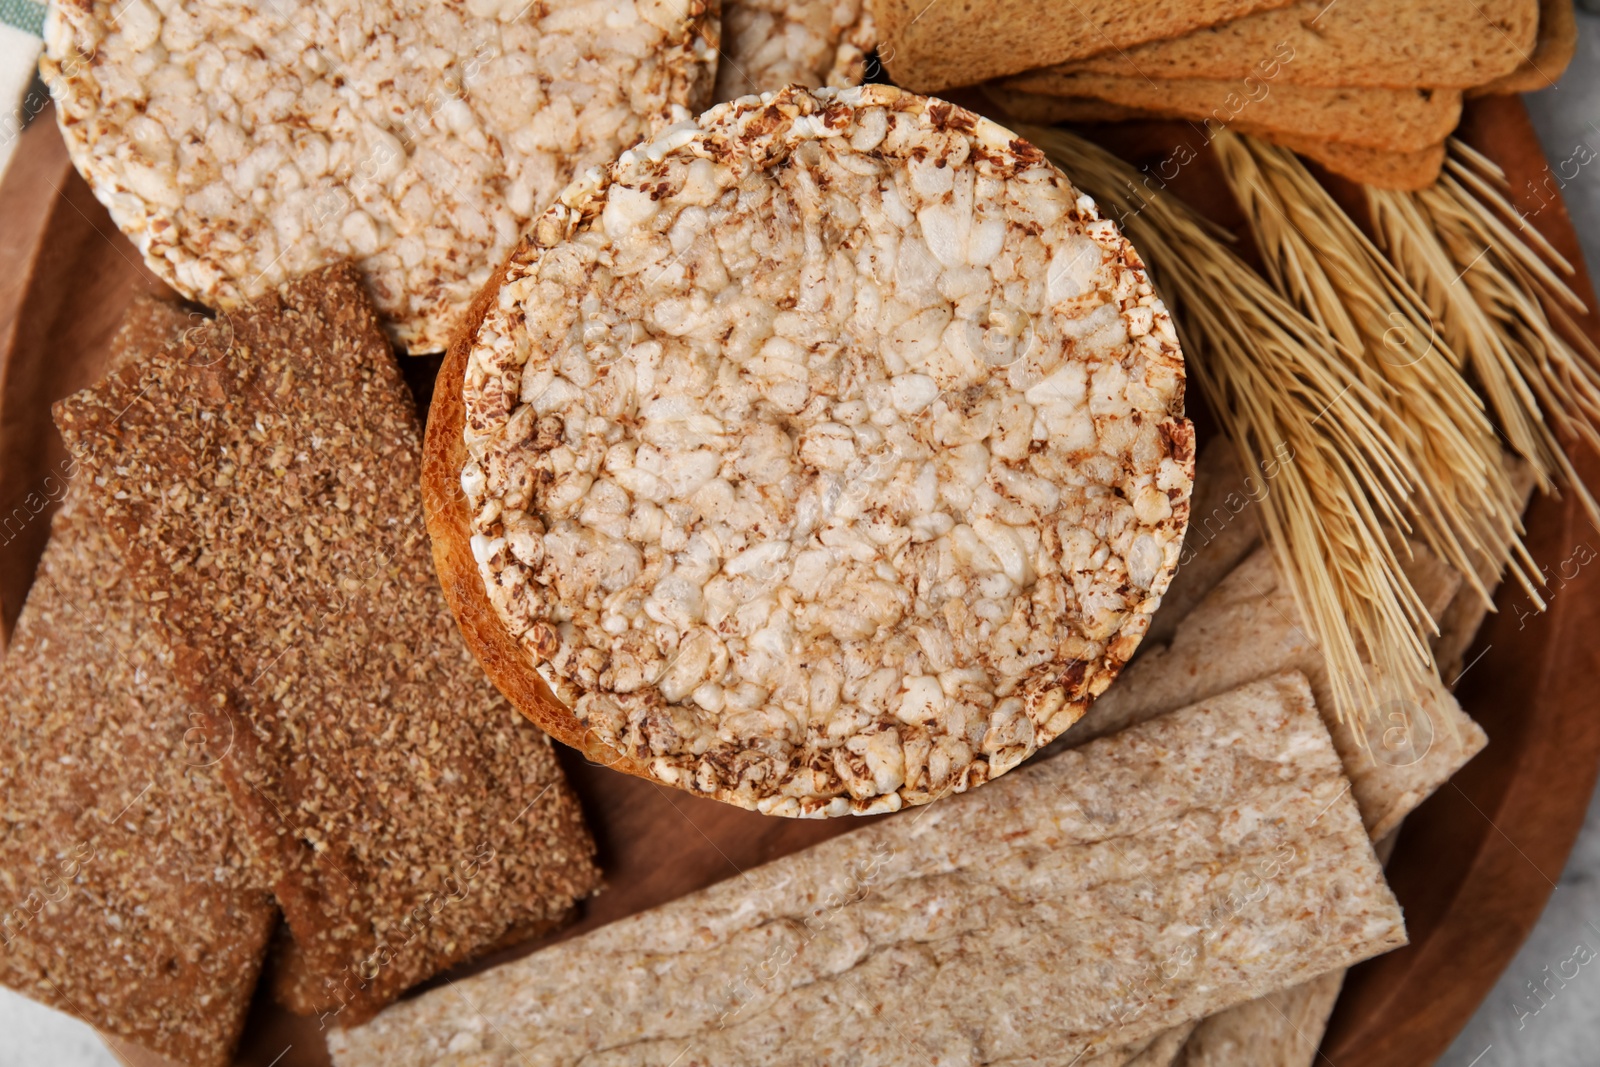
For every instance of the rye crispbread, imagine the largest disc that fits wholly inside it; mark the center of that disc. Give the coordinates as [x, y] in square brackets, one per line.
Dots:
[1090, 902]
[768, 44]
[262, 477]
[129, 901]
[1394, 44]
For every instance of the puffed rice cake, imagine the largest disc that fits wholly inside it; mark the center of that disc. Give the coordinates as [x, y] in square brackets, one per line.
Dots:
[768, 44]
[241, 144]
[825, 455]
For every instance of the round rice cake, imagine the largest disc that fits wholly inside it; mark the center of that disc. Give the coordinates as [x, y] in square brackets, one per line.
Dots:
[826, 454]
[768, 44]
[240, 144]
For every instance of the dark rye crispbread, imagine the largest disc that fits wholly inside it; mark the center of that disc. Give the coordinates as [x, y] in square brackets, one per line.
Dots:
[261, 475]
[128, 899]
[1394, 44]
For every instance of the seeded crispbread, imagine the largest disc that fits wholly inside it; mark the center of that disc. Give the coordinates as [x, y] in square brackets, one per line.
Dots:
[1370, 166]
[262, 476]
[129, 901]
[1393, 44]
[1083, 904]
[1392, 120]
[932, 46]
[1557, 44]
[239, 144]
[768, 44]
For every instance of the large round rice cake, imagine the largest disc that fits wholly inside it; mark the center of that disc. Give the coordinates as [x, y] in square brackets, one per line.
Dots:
[240, 144]
[826, 454]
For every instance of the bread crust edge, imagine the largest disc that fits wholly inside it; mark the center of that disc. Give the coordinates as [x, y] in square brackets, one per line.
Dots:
[449, 524]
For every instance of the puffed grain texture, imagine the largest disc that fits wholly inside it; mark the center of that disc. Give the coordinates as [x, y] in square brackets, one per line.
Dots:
[262, 477]
[826, 454]
[241, 144]
[768, 44]
[129, 901]
[1247, 628]
[1087, 903]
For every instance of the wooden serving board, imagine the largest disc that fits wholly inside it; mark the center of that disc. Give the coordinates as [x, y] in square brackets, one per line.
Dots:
[1473, 867]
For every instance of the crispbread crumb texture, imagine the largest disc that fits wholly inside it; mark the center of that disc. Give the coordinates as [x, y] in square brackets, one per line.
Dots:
[127, 898]
[769, 44]
[829, 454]
[1282, 1029]
[262, 476]
[1087, 902]
[1370, 166]
[1393, 120]
[1381, 43]
[241, 144]
[1247, 627]
[934, 46]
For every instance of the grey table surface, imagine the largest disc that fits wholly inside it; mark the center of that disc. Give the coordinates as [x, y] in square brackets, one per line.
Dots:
[1545, 1011]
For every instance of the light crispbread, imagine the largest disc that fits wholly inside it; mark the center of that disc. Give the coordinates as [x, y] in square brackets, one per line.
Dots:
[262, 477]
[1155, 1051]
[1557, 44]
[1281, 1029]
[240, 144]
[768, 44]
[1370, 166]
[1223, 529]
[128, 899]
[828, 623]
[1056, 899]
[1163, 1048]
[932, 46]
[1391, 120]
[1248, 628]
[1395, 44]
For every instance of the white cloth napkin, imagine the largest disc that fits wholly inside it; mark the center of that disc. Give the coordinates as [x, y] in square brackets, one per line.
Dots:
[21, 23]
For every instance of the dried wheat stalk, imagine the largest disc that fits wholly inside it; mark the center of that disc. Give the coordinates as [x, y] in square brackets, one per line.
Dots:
[1291, 399]
[1502, 304]
[1462, 503]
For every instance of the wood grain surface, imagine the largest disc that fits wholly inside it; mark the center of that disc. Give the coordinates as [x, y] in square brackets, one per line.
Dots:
[1473, 867]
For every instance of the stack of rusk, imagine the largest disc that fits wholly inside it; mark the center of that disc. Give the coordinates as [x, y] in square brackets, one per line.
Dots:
[1369, 89]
